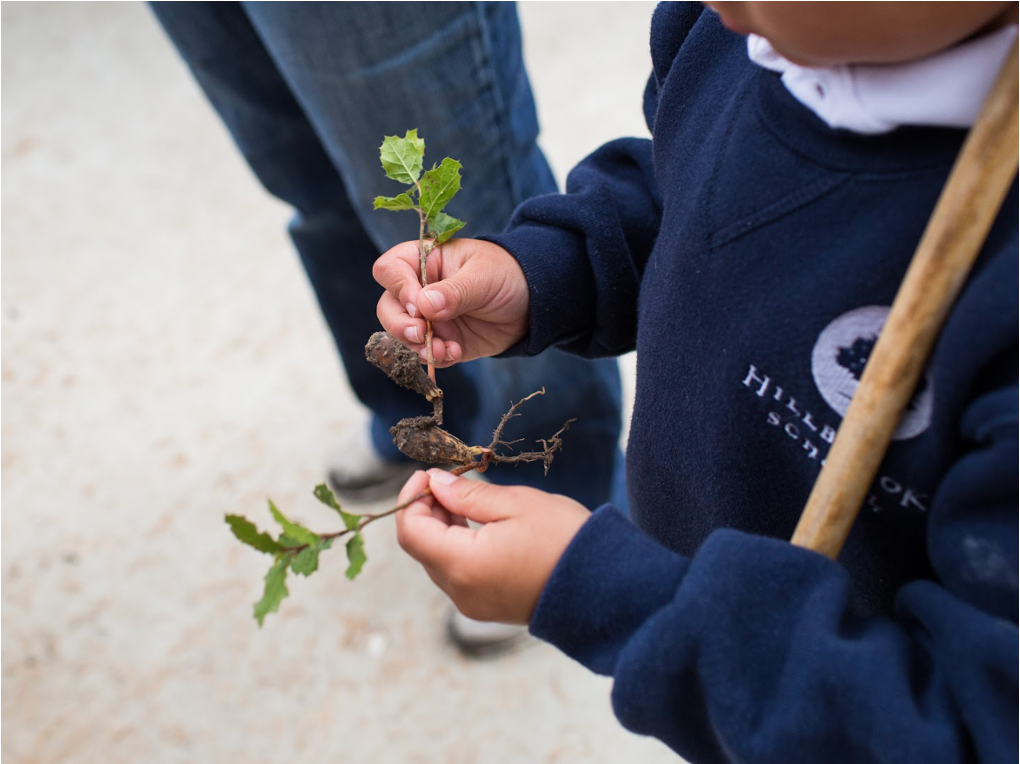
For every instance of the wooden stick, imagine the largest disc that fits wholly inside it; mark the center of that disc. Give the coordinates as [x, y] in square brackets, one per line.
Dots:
[970, 200]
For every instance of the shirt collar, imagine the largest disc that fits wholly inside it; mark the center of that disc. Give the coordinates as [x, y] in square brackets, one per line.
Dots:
[942, 90]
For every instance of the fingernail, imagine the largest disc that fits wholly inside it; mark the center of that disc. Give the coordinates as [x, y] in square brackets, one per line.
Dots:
[412, 310]
[442, 476]
[411, 333]
[436, 298]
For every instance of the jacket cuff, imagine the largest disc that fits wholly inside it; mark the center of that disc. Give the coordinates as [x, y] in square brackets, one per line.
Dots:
[608, 582]
[561, 289]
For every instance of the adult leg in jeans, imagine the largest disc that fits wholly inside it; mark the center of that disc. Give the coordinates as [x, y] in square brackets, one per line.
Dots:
[307, 90]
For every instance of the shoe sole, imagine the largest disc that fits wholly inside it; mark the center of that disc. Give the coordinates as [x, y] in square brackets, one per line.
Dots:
[374, 490]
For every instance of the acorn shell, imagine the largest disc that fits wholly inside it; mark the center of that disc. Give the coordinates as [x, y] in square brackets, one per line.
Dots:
[400, 363]
[424, 441]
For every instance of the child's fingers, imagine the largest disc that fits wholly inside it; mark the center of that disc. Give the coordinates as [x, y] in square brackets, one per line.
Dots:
[397, 264]
[475, 500]
[423, 516]
[398, 272]
[415, 484]
[394, 318]
[445, 352]
[434, 538]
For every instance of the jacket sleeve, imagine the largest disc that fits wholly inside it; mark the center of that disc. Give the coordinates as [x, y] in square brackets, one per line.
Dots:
[748, 652]
[583, 252]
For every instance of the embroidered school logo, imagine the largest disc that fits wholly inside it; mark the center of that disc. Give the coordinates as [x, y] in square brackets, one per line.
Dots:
[838, 359]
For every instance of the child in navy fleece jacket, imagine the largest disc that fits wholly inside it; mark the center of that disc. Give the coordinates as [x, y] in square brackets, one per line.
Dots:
[749, 252]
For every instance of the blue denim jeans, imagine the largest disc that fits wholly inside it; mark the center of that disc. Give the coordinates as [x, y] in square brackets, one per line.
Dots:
[307, 91]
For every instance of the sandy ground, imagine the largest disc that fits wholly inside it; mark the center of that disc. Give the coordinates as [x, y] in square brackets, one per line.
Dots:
[164, 364]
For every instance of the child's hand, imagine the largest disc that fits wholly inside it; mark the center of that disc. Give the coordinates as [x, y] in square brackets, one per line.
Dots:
[498, 571]
[477, 298]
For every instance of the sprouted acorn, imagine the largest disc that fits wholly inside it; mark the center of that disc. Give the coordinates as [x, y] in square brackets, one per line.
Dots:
[424, 441]
[401, 364]
[297, 548]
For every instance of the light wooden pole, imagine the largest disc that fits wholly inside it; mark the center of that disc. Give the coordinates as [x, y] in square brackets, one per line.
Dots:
[970, 200]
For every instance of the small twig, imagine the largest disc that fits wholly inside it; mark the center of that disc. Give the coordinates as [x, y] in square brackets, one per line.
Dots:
[424, 250]
[480, 466]
[371, 517]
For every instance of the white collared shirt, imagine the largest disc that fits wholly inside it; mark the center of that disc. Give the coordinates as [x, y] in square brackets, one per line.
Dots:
[945, 89]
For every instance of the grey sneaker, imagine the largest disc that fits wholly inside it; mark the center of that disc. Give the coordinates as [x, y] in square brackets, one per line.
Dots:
[358, 473]
[480, 639]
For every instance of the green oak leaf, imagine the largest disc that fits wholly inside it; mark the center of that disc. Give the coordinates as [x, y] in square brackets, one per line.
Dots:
[399, 202]
[438, 186]
[275, 591]
[306, 561]
[247, 533]
[291, 529]
[355, 556]
[442, 226]
[286, 542]
[325, 495]
[402, 158]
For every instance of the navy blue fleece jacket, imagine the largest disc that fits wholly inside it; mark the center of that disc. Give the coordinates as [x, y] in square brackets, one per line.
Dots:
[750, 254]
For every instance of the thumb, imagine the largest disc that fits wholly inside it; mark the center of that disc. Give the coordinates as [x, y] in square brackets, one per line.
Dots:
[488, 279]
[452, 297]
[473, 499]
